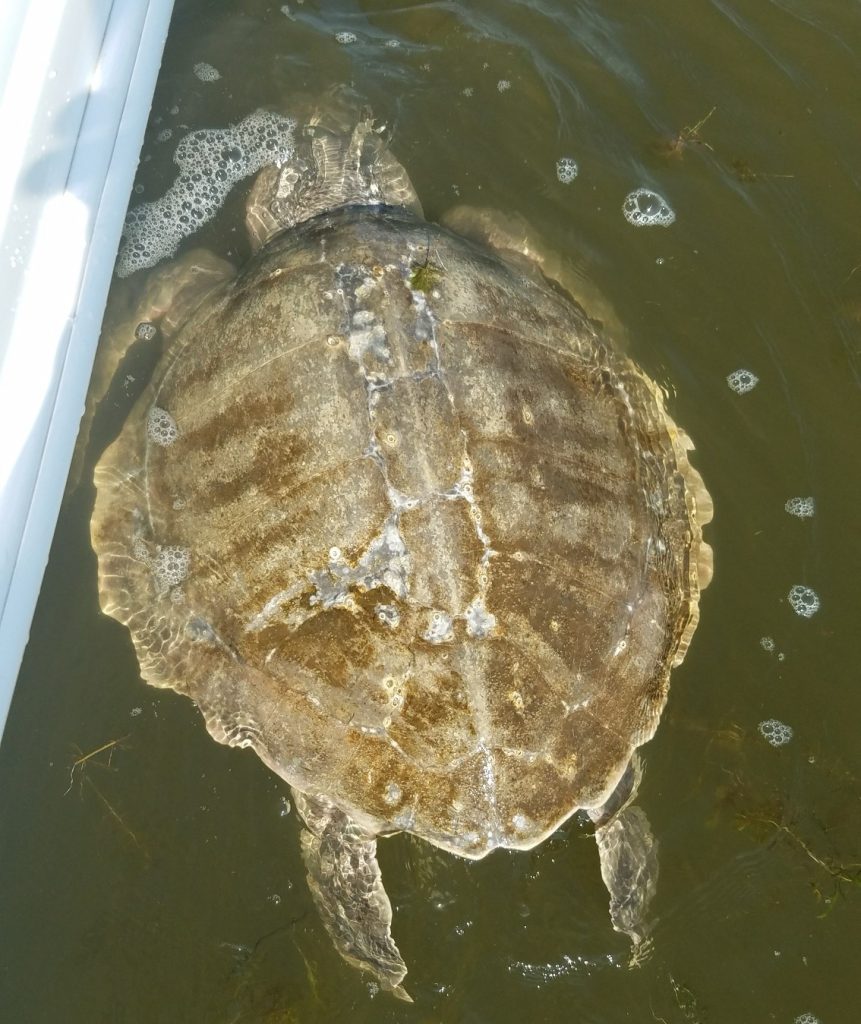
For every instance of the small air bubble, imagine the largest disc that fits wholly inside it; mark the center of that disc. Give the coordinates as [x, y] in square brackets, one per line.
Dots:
[742, 381]
[804, 601]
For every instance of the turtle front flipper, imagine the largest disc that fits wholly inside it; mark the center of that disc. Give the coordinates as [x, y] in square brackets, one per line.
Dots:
[344, 878]
[142, 309]
[629, 856]
[516, 241]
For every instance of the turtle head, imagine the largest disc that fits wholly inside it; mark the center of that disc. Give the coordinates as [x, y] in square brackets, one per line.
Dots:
[340, 158]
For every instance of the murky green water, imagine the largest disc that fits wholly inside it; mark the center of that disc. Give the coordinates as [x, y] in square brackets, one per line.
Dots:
[161, 879]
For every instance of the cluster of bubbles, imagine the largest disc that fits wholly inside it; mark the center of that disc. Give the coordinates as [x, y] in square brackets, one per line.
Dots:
[770, 647]
[211, 162]
[566, 169]
[206, 72]
[803, 601]
[145, 331]
[742, 381]
[774, 732]
[161, 427]
[170, 565]
[806, 1018]
[503, 85]
[644, 208]
[802, 508]
[345, 38]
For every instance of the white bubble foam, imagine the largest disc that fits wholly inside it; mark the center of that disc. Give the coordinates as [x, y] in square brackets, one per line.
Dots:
[566, 169]
[742, 381]
[206, 72]
[644, 208]
[345, 38]
[776, 733]
[767, 644]
[161, 427]
[806, 1018]
[170, 565]
[802, 508]
[211, 162]
[804, 601]
[145, 331]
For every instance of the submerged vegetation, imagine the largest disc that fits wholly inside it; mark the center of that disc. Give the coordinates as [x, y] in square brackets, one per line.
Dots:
[802, 827]
[674, 148]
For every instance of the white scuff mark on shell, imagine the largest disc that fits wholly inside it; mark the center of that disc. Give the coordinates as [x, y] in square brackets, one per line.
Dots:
[388, 615]
[392, 794]
[386, 562]
[273, 606]
[371, 339]
[439, 629]
[479, 621]
[401, 502]
[406, 819]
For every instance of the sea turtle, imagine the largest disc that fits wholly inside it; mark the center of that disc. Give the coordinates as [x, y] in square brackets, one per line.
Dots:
[396, 515]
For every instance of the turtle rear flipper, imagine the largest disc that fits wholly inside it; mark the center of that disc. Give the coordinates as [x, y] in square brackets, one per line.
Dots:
[345, 881]
[629, 855]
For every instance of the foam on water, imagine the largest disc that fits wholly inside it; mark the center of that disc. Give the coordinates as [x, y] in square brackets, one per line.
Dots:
[345, 38]
[145, 331]
[161, 427]
[802, 508]
[804, 601]
[806, 1018]
[211, 162]
[774, 732]
[170, 565]
[566, 169]
[742, 381]
[206, 72]
[644, 208]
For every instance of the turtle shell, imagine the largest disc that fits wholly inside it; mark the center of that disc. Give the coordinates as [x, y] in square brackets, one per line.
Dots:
[394, 516]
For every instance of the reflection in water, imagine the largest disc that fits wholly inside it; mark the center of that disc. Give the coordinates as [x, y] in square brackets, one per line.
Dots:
[142, 890]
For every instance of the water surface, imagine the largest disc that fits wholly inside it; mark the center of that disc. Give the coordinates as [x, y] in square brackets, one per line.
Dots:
[160, 880]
